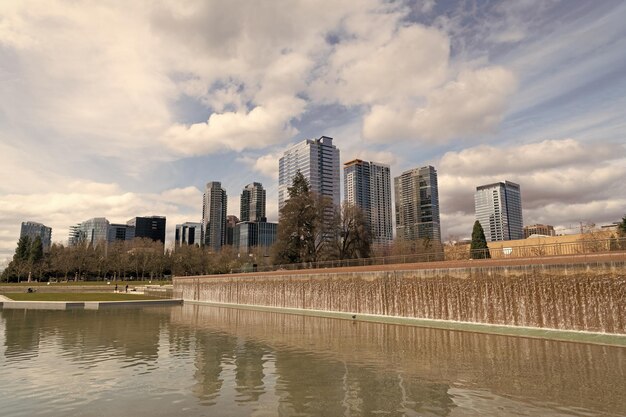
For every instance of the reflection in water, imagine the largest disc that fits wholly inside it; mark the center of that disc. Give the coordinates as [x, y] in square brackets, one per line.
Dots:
[200, 360]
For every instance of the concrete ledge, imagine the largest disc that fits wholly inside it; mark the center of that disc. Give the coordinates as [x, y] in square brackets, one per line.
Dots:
[98, 305]
[86, 305]
[43, 305]
[517, 331]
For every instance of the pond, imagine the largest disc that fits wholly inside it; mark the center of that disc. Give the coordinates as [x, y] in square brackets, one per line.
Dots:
[207, 361]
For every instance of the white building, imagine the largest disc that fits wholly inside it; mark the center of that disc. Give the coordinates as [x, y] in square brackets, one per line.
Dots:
[318, 161]
[499, 210]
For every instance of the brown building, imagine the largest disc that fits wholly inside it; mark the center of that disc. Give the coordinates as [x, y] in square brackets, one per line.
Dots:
[539, 229]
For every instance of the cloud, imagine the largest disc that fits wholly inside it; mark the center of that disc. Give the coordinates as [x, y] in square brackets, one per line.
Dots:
[473, 104]
[562, 181]
[236, 131]
[384, 65]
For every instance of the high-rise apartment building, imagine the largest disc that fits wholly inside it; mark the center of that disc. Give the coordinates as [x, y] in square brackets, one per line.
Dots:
[367, 185]
[34, 229]
[152, 227]
[188, 233]
[253, 203]
[214, 206]
[417, 205]
[318, 161]
[499, 210]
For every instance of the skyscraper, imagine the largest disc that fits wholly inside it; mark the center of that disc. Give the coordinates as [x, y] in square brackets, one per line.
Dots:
[367, 185]
[214, 206]
[499, 210]
[318, 161]
[253, 203]
[417, 205]
[231, 222]
[188, 233]
[152, 227]
[34, 229]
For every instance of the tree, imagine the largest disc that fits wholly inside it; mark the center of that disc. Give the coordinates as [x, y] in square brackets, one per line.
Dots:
[299, 222]
[35, 255]
[22, 252]
[478, 247]
[349, 234]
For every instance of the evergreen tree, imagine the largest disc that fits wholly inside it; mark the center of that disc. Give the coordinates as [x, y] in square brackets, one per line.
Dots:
[297, 226]
[35, 253]
[479, 248]
[621, 227]
[22, 252]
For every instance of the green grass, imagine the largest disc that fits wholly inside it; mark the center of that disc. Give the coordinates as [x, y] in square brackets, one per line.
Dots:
[81, 283]
[96, 296]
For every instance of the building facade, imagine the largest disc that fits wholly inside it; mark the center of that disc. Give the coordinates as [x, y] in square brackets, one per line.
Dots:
[318, 161]
[252, 208]
[248, 235]
[34, 229]
[120, 232]
[152, 227]
[91, 232]
[214, 205]
[188, 233]
[367, 185]
[417, 205]
[539, 229]
[231, 222]
[499, 210]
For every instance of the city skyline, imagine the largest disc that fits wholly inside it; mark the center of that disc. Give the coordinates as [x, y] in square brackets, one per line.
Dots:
[132, 115]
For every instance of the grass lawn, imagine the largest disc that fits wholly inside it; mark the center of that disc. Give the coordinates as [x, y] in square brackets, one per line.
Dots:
[96, 296]
[80, 283]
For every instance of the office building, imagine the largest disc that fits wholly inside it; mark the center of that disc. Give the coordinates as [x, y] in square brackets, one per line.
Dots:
[248, 235]
[188, 233]
[539, 229]
[499, 210]
[152, 227]
[214, 206]
[231, 222]
[253, 203]
[318, 161]
[91, 232]
[367, 185]
[120, 232]
[417, 205]
[34, 229]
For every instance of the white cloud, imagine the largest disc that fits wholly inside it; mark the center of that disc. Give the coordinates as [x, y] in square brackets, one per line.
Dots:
[236, 131]
[473, 104]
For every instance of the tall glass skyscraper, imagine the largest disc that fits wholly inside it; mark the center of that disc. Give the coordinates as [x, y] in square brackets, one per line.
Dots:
[34, 229]
[252, 208]
[318, 161]
[214, 205]
[417, 205]
[499, 210]
[367, 185]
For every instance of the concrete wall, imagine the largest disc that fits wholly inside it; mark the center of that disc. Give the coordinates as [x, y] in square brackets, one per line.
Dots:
[587, 297]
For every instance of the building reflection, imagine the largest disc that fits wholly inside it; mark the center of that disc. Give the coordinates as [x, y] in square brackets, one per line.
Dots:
[338, 367]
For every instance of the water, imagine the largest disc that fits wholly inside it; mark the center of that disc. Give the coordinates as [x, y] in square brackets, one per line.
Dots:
[209, 361]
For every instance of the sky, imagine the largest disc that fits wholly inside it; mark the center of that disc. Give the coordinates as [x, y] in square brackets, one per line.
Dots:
[120, 109]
